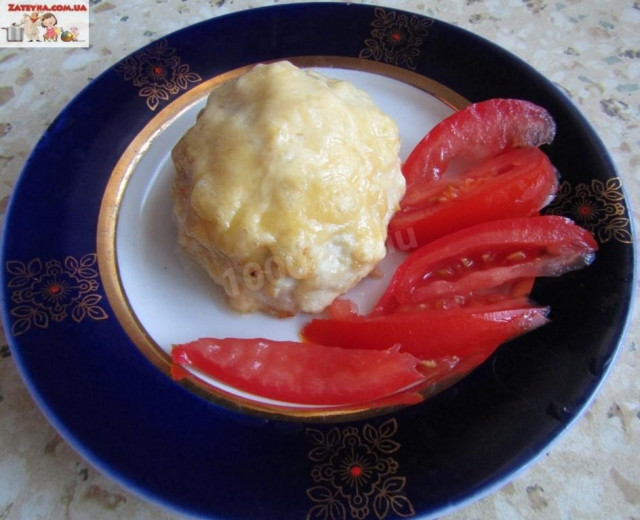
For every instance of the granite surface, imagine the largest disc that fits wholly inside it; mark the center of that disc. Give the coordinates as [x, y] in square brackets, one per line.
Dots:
[589, 48]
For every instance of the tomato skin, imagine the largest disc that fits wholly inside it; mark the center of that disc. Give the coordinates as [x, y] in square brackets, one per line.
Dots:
[301, 373]
[517, 183]
[478, 131]
[431, 334]
[486, 256]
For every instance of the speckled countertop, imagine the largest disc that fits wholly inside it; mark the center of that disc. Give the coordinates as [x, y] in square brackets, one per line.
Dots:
[590, 48]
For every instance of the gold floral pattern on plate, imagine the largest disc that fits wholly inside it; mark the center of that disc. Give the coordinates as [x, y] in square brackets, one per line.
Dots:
[355, 474]
[158, 72]
[597, 206]
[396, 38]
[52, 291]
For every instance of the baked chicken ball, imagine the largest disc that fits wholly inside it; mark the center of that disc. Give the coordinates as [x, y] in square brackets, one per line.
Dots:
[284, 188]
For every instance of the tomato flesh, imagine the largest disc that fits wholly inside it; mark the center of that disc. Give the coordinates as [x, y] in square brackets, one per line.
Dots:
[517, 183]
[302, 373]
[476, 132]
[487, 256]
[431, 334]
[342, 308]
[510, 291]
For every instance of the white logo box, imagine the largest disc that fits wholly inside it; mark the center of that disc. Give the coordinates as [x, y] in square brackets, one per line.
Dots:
[59, 23]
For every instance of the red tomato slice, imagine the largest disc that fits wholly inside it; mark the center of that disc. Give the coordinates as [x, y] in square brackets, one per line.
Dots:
[302, 373]
[517, 183]
[431, 334]
[342, 308]
[486, 256]
[478, 131]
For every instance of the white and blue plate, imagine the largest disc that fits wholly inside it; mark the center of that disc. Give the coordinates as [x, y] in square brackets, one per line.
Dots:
[95, 291]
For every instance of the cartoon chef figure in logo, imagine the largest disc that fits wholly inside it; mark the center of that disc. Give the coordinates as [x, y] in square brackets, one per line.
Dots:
[31, 23]
[49, 22]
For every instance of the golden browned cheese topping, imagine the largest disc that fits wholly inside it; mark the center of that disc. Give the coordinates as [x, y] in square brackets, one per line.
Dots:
[291, 169]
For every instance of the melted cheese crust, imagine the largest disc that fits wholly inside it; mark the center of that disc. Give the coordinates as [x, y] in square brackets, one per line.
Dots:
[295, 174]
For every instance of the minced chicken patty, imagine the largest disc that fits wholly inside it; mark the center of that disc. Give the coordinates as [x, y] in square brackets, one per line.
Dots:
[285, 186]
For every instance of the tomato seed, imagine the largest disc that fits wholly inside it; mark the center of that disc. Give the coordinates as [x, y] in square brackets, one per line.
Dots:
[517, 256]
[488, 257]
[466, 262]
